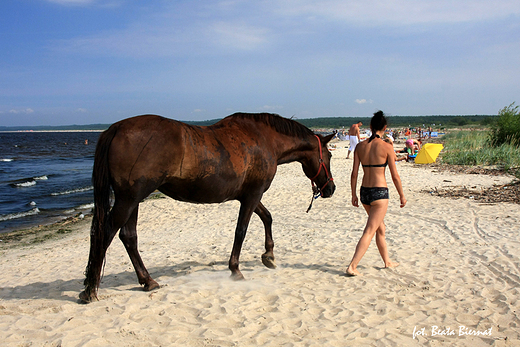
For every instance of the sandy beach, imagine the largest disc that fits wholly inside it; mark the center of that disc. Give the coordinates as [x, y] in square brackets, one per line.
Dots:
[458, 283]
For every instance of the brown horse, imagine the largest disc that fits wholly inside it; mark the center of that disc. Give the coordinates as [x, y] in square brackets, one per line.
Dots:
[234, 159]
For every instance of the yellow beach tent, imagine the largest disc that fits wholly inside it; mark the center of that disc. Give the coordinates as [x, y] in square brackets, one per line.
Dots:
[428, 153]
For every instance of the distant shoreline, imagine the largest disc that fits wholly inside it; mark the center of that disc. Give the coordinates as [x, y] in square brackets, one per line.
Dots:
[51, 131]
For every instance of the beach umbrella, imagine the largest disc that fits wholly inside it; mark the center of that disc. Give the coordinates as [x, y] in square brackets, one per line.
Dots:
[428, 153]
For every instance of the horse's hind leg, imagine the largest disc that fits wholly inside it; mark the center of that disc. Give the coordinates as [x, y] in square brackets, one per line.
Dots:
[116, 219]
[128, 235]
[265, 216]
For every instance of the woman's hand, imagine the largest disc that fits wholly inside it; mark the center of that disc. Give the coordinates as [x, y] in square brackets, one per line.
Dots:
[403, 201]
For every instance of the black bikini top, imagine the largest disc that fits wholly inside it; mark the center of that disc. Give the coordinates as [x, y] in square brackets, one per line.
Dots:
[375, 165]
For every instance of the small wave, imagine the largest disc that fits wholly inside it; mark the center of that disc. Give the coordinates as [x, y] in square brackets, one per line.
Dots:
[73, 191]
[6, 159]
[29, 183]
[79, 208]
[85, 207]
[32, 212]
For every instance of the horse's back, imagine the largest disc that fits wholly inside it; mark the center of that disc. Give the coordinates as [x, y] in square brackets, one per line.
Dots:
[190, 163]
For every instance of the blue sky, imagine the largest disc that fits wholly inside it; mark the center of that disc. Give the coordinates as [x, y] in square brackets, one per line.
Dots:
[98, 61]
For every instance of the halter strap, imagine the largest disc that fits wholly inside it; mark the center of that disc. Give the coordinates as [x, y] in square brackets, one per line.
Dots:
[316, 192]
[374, 135]
[322, 164]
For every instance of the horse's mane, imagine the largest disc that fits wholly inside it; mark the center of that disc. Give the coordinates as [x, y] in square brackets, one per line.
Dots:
[282, 125]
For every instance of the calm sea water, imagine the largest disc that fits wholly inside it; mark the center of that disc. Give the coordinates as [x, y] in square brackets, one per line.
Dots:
[44, 177]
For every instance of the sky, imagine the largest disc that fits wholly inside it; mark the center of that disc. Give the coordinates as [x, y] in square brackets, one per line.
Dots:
[66, 62]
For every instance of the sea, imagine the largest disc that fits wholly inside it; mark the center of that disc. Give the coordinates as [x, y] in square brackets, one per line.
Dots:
[45, 177]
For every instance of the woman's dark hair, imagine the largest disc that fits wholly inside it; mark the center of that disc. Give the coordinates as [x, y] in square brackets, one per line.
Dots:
[378, 121]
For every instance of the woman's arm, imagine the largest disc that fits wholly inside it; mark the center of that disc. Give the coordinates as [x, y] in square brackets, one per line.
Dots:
[395, 176]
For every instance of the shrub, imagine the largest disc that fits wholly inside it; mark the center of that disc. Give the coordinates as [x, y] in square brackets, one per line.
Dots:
[506, 129]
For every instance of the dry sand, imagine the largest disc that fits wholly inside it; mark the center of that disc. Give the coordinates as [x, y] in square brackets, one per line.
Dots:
[460, 266]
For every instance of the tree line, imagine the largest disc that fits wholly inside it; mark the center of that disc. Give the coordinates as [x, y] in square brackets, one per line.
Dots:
[402, 121]
[323, 122]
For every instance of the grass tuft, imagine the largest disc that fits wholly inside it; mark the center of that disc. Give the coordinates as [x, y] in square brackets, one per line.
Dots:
[473, 148]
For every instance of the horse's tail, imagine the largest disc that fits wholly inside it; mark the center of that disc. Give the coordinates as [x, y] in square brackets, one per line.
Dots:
[100, 222]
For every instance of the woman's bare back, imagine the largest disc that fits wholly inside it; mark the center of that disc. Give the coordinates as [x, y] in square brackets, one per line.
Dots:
[374, 156]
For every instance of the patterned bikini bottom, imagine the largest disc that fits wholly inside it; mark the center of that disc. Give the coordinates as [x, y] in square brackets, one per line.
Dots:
[369, 195]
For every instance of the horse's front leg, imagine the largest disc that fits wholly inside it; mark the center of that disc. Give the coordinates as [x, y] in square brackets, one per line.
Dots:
[244, 216]
[265, 216]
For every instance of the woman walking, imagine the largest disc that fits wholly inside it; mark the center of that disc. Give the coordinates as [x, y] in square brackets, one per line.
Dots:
[374, 155]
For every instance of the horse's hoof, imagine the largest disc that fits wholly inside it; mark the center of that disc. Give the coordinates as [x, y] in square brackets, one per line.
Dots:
[237, 276]
[268, 261]
[87, 298]
[151, 285]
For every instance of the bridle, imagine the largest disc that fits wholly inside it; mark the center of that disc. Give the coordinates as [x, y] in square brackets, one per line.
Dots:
[322, 165]
[316, 191]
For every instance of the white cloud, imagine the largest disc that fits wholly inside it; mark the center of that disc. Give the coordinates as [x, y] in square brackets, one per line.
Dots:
[22, 111]
[239, 35]
[97, 3]
[400, 12]
[73, 2]
[165, 33]
[270, 108]
[81, 110]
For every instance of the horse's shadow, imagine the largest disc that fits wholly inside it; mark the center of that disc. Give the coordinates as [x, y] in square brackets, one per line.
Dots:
[68, 290]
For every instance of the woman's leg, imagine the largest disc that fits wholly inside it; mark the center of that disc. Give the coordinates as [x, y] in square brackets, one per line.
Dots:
[376, 214]
[381, 246]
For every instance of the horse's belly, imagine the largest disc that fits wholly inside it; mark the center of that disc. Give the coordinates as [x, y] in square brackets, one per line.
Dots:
[202, 192]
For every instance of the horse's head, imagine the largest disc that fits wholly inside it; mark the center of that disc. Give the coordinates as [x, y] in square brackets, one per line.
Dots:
[317, 167]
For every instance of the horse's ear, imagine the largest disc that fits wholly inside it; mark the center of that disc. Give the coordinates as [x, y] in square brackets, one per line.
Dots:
[327, 138]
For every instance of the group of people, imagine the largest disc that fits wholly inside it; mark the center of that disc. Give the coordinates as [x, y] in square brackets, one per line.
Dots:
[374, 155]
[420, 132]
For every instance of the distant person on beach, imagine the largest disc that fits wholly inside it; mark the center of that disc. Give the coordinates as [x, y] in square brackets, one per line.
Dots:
[412, 145]
[353, 136]
[374, 155]
[391, 142]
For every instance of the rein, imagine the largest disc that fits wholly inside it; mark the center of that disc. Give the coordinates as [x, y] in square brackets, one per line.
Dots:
[316, 191]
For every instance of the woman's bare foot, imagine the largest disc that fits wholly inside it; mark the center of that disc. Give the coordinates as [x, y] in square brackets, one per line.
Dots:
[353, 272]
[391, 264]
